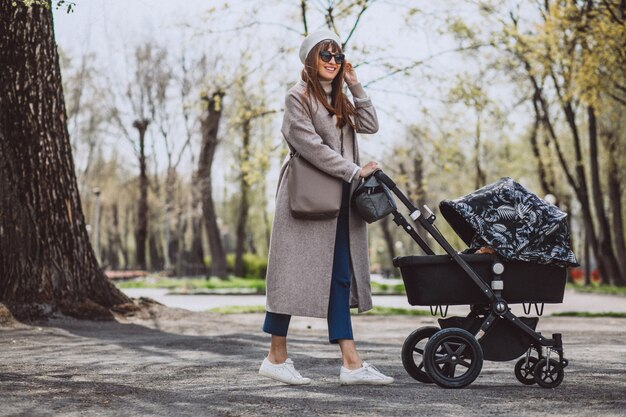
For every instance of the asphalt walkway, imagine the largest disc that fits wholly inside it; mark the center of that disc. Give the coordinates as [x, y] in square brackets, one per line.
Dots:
[180, 363]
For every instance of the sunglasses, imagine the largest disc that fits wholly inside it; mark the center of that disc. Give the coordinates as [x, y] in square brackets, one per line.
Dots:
[326, 57]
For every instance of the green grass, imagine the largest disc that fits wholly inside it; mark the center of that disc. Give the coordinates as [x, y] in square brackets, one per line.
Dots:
[599, 289]
[376, 311]
[196, 284]
[394, 289]
[395, 311]
[237, 309]
[588, 314]
[257, 285]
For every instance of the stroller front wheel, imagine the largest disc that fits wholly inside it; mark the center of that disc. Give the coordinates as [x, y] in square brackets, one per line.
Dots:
[453, 358]
[548, 374]
[524, 372]
[413, 353]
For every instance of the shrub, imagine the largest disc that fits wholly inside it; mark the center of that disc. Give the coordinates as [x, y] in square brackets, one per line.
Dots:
[254, 266]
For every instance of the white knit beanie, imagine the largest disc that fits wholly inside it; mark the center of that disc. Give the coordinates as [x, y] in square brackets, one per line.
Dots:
[313, 39]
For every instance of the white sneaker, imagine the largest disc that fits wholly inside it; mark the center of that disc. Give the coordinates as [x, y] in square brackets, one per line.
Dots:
[283, 372]
[366, 374]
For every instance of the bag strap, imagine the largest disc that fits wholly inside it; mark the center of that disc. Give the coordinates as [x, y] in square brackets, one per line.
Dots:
[295, 154]
[369, 190]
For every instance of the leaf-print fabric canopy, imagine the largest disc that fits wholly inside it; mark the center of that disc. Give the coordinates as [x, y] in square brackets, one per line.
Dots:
[517, 224]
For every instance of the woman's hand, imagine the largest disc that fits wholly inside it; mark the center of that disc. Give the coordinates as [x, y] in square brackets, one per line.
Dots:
[349, 75]
[368, 169]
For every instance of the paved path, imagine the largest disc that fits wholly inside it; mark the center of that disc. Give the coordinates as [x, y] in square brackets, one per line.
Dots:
[573, 301]
[179, 363]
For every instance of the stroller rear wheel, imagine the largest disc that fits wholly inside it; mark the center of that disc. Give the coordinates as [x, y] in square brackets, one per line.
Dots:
[453, 358]
[546, 373]
[413, 353]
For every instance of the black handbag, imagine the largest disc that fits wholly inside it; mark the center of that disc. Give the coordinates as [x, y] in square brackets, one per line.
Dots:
[373, 200]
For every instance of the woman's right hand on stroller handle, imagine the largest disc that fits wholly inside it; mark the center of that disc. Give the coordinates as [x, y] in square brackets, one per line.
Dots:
[368, 169]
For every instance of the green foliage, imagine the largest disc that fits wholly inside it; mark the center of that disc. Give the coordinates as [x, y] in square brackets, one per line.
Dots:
[395, 311]
[197, 284]
[237, 309]
[381, 288]
[376, 311]
[255, 266]
[587, 314]
[599, 289]
[214, 283]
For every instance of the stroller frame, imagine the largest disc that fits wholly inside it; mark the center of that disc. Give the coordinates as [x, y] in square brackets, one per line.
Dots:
[456, 344]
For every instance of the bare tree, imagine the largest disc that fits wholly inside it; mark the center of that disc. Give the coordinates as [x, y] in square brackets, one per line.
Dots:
[210, 121]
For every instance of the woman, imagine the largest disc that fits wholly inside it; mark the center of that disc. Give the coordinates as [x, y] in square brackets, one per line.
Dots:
[319, 268]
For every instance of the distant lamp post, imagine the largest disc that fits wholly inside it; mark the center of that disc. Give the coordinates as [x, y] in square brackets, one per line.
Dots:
[96, 222]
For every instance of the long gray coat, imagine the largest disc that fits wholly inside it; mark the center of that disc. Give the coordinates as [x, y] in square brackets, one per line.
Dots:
[301, 251]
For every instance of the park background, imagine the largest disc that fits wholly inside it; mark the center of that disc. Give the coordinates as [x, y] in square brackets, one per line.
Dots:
[147, 146]
[467, 92]
[143, 139]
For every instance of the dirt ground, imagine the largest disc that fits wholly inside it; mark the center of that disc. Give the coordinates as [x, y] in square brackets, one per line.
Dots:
[180, 363]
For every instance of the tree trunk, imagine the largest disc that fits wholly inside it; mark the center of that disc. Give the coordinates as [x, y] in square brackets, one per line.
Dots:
[604, 230]
[171, 236]
[546, 178]
[179, 247]
[115, 240]
[385, 225]
[244, 205]
[196, 257]
[615, 200]
[141, 229]
[420, 192]
[210, 123]
[587, 263]
[582, 192]
[156, 252]
[267, 224]
[481, 177]
[578, 184]
[125, 238]
[47, 263]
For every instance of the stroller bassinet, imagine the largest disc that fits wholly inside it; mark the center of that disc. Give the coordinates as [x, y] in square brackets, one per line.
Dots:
[438, 280]
[529, 237]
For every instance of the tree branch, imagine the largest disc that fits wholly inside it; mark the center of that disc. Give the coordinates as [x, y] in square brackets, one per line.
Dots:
[303, 5]
[418, 63]
[356, 23]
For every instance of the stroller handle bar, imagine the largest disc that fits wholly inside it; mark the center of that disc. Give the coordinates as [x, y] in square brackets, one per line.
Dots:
[418, 218]
[384, 178]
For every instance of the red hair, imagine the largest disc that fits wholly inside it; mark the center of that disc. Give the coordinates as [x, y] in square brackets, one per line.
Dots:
[339, 104]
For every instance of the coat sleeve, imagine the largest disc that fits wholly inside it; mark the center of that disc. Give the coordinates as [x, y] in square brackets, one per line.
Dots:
[366, 119]
[300, 133]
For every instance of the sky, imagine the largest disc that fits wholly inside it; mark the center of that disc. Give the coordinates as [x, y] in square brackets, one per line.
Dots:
[112, 28]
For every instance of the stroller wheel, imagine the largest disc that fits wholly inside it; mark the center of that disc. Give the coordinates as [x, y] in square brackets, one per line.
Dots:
[413, 353]
[453, 358]
[546, 375]
[524, 371]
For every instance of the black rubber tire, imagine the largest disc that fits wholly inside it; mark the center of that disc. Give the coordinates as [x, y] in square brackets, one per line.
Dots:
[523, 373]
[545, 378]
[413, 355]
[448, 348]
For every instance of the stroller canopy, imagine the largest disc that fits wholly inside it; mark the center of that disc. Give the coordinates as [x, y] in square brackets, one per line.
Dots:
[517, 224]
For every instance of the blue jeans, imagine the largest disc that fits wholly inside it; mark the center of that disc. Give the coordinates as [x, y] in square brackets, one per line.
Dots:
[339, 322]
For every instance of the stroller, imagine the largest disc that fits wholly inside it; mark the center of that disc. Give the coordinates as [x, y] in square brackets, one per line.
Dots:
[529, 237]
